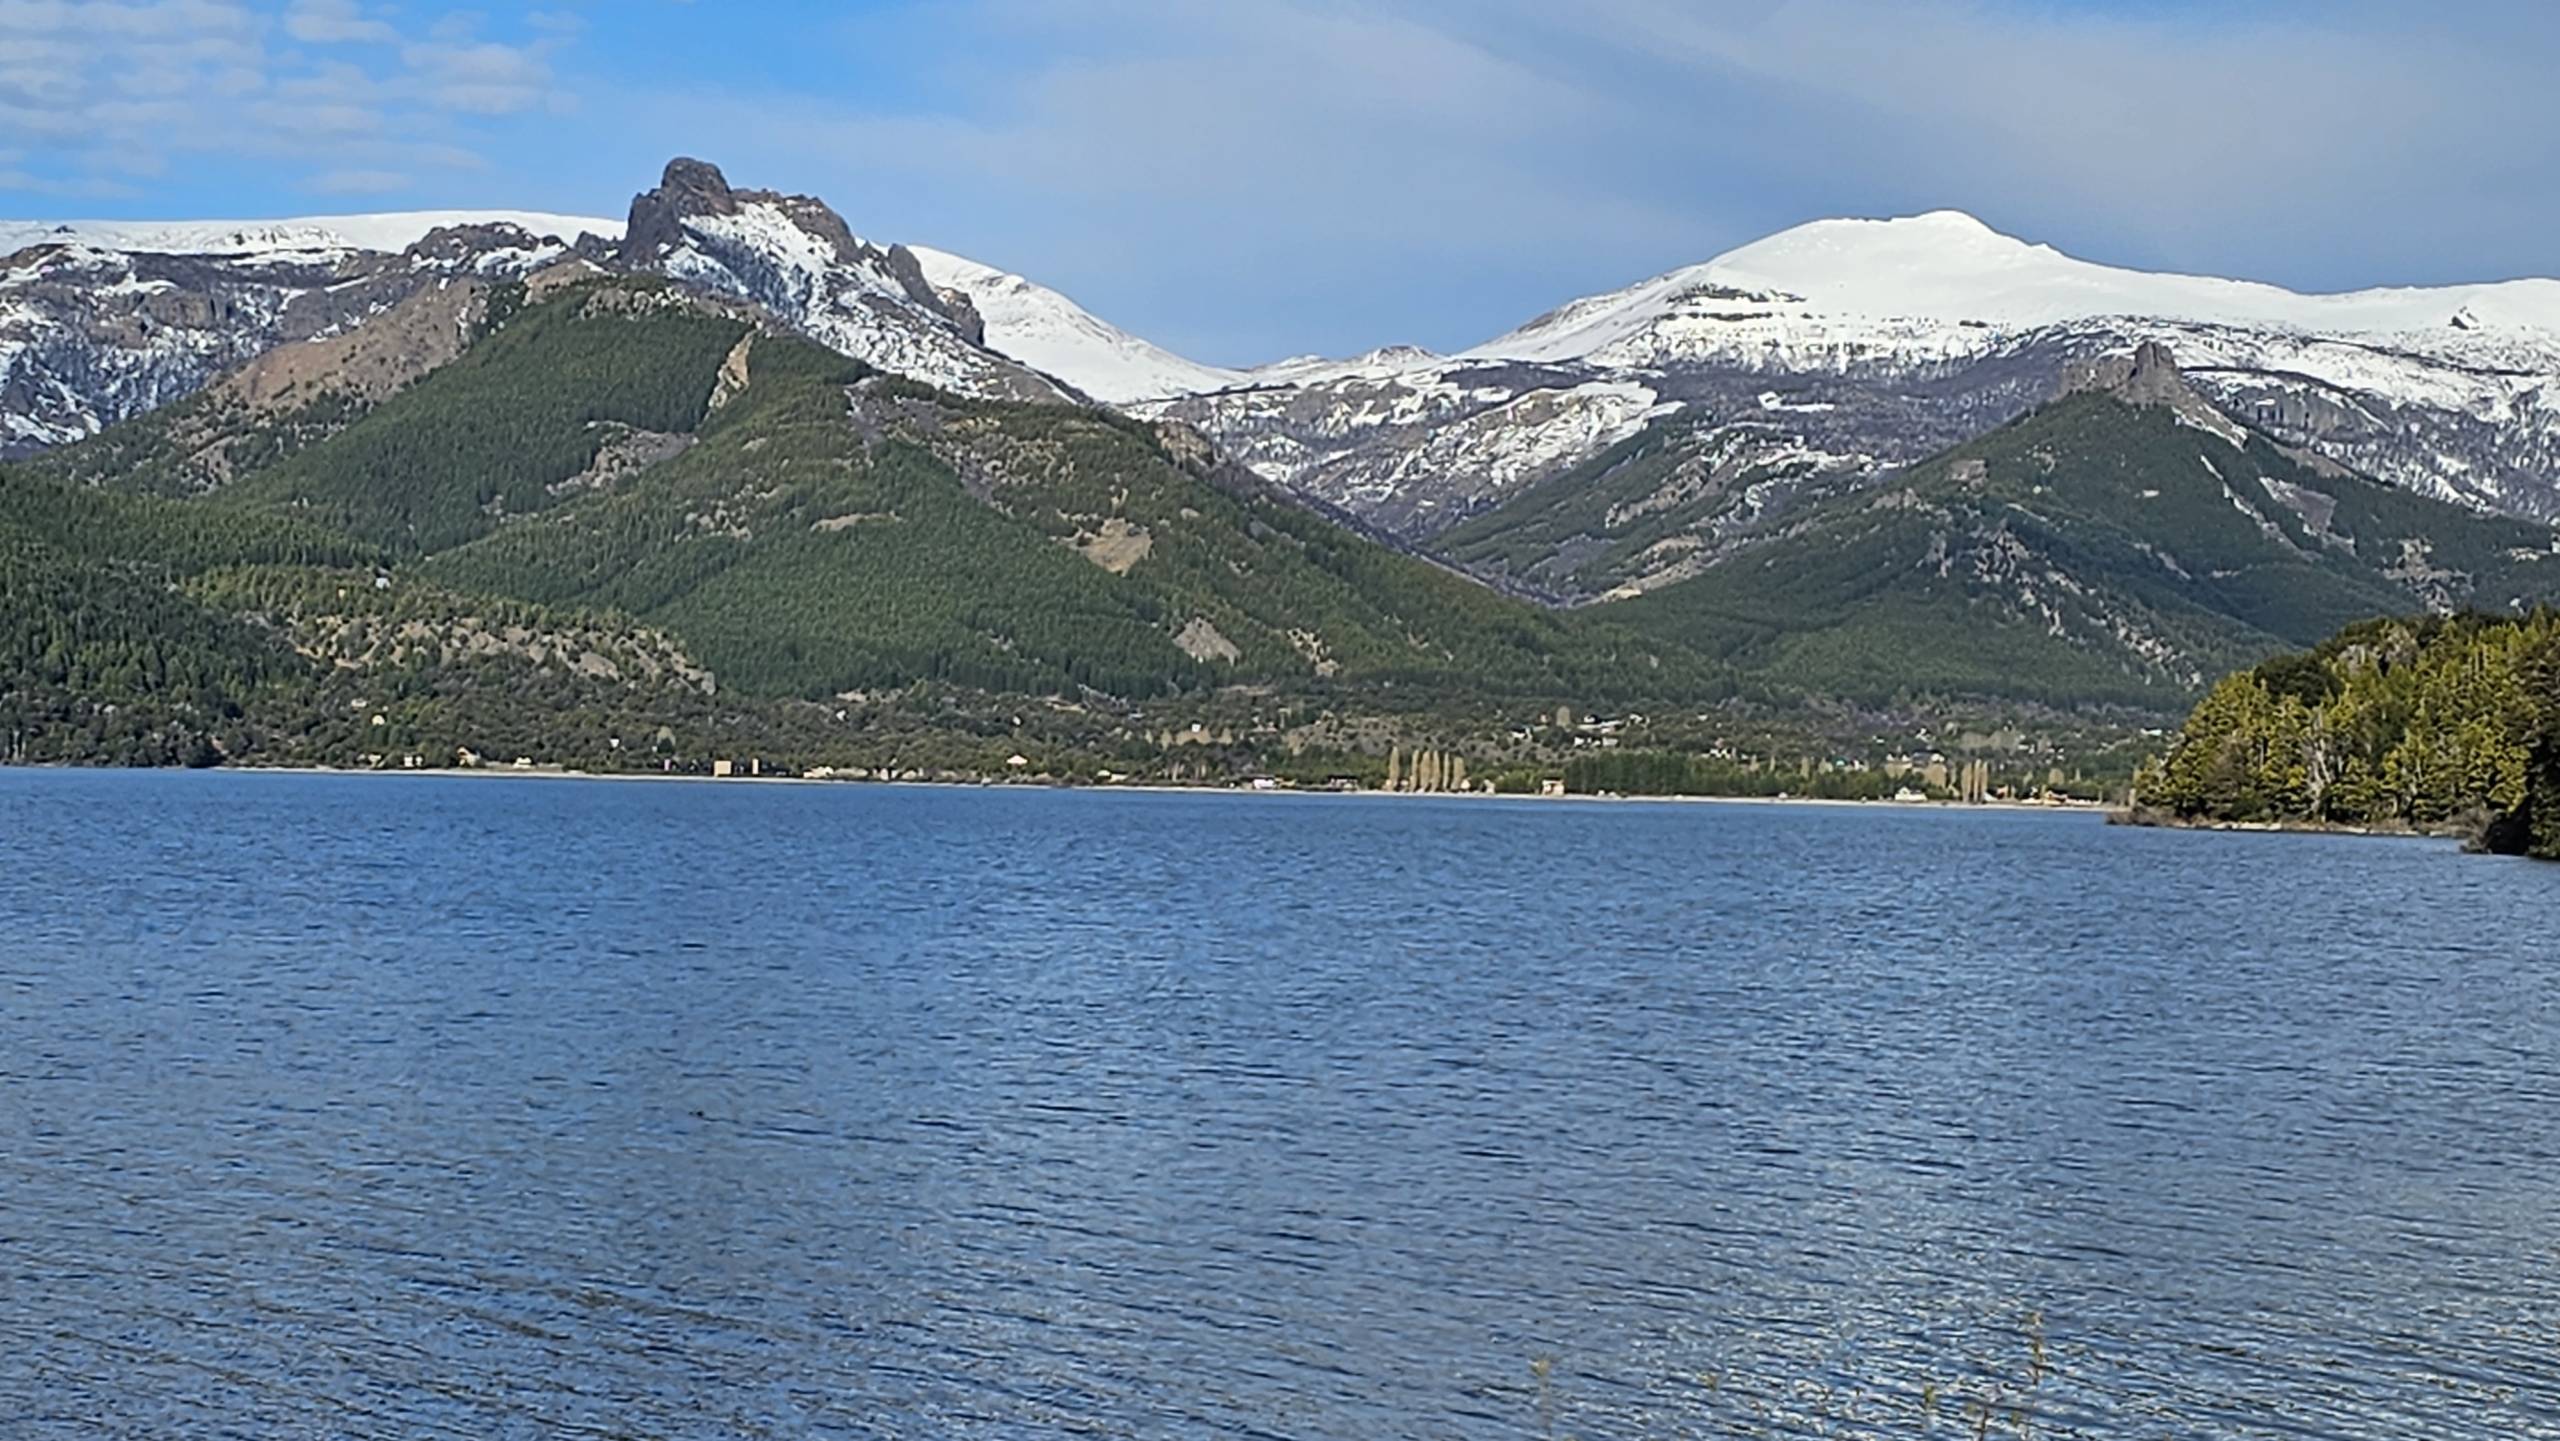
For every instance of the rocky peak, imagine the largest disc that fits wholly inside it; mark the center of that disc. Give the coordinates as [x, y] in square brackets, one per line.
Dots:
[687, 187]
[2149, 377]
[691, 188]
[34, 257]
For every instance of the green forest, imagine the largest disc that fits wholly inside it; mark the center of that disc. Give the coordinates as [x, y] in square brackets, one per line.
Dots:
[2443, 724]
[624, 532]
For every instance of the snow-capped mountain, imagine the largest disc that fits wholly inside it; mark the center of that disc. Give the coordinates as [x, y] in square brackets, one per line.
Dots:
[798, 259]
[1849, 347]
[1858, 346]
[1912, 277]
[273, 239]
[1416, 443]
[104, 320]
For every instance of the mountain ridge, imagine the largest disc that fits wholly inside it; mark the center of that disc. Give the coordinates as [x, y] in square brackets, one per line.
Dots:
[388, 231]
[1946, 265]
[1853, 347]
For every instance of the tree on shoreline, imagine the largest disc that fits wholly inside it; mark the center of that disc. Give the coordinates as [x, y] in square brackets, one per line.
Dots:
[2444, 723]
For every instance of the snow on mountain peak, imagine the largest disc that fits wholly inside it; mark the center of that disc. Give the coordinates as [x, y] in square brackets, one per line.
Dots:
[1949, 220]
[1048, 332]
[1946, 268]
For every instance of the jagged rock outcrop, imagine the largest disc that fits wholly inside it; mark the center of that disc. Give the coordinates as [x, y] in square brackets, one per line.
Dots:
[797, 257]
[2150, 376]
[686, 189]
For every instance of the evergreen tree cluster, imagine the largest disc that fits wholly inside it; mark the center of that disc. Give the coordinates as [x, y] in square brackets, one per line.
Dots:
[500, 431]
[2444, 724]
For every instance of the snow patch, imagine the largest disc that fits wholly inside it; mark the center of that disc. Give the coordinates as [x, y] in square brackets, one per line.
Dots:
[1048, 332]
[390, 232]
[1947, 269]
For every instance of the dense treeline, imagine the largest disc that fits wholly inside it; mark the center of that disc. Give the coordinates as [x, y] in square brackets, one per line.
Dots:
[2438, 724]
[103, 654]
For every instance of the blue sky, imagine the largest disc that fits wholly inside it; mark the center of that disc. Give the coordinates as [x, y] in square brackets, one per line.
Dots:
[1244, 179]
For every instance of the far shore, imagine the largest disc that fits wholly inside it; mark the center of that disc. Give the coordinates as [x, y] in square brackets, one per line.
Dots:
[562, 773]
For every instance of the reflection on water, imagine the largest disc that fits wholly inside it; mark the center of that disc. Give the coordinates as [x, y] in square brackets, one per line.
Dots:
[495, 1108]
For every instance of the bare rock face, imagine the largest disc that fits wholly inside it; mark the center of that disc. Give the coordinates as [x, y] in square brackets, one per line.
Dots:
[1186, 446]
[90, 336]
[456, 245]
[953, 305]
[2149, 376]
[797, 260]
[687, 187]
[1203, 641]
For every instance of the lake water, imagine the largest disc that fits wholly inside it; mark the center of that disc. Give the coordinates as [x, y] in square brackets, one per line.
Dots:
[425, 1107]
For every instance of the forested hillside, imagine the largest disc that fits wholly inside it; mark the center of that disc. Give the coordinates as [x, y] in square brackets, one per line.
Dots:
[2448, 724]
[147, 631]
[626, 524]
[838, 530]
[2099, 549]
[622, 506]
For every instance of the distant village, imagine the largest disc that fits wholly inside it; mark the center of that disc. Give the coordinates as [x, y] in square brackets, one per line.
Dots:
[1558, 755]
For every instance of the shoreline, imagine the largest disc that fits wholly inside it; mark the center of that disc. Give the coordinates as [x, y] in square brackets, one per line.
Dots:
[2139, 819]
[558, 773]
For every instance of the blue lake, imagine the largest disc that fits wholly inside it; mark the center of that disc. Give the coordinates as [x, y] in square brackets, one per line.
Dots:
[426, 1107]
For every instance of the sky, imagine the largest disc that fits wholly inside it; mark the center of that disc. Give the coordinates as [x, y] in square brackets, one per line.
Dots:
[1246, 179]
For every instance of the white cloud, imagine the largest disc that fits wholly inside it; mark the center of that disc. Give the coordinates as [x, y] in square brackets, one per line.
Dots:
[330, 93]
[334, 22]
[12, 179]
[480, 77]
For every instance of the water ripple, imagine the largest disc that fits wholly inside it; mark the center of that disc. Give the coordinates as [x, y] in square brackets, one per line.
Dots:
[423, 1107]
